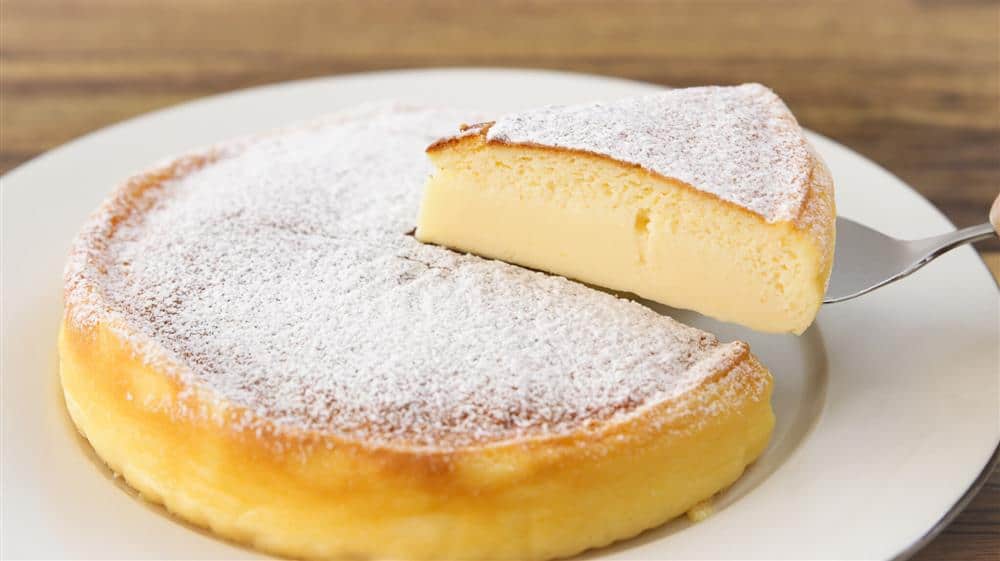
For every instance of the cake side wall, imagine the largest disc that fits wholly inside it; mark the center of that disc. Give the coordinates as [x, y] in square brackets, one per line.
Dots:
[332, 502]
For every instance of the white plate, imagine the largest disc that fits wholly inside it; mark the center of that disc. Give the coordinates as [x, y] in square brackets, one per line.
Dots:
[887, 407]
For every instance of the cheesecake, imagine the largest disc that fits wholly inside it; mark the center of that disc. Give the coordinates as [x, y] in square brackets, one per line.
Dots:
[253, 339]
[709, 199]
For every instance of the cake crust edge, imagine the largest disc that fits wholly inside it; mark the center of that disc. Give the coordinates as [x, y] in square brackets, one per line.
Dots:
[140, 422]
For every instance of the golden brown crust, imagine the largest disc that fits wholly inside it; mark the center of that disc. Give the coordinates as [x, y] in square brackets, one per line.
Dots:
[464, 131]
[818, 213]
[212, 473]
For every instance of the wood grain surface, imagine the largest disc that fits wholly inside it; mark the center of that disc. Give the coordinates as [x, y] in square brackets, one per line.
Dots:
[913, 85]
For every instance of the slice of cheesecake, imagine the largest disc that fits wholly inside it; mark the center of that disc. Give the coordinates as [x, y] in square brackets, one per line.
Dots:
[707, 198]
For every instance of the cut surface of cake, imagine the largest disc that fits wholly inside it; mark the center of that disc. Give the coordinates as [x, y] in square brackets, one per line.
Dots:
[709, 199]
[253, 339]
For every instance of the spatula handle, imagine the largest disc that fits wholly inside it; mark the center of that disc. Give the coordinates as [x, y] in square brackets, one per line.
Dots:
[995, 215]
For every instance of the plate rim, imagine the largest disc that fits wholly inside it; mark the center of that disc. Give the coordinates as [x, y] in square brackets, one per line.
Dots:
[956, 509]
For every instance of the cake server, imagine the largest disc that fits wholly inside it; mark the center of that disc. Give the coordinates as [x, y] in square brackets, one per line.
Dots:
[867, 259]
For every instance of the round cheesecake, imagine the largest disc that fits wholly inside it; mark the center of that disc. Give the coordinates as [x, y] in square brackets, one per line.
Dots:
[253, 338]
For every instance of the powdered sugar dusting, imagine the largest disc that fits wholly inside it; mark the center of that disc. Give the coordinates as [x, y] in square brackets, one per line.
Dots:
[276, 274]
[740, 143]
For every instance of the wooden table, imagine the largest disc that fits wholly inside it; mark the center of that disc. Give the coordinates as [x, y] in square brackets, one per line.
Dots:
[913, 85]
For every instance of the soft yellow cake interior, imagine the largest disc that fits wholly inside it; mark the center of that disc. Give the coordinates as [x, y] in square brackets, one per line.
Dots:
[315, 496]
[619, 226]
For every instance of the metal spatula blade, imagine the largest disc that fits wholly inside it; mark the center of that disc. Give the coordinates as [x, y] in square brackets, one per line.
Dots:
[867, 259]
